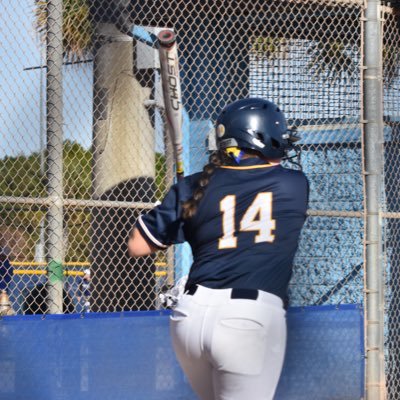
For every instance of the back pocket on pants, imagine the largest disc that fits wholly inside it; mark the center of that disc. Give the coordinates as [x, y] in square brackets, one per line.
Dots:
[238, 346]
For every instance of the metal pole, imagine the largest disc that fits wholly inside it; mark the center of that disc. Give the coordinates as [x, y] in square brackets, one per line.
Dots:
[372, 120]
[39, 250]
[54, 60]
[41, 115]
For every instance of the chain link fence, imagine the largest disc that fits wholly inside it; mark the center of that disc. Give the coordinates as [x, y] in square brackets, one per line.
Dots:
[84, 148]
[391, 58]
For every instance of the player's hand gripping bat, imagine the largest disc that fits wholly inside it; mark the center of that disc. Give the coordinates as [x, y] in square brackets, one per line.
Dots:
[171, 86]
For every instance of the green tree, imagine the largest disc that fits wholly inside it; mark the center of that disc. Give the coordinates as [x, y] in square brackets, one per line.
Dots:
[328, 58]
[77, 171]
[22, 178]
[77, 27]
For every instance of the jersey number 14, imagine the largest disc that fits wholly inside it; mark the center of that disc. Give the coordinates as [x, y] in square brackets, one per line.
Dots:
[258, 217]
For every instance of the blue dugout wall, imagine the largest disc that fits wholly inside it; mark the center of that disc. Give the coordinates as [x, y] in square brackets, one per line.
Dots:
[121, 356]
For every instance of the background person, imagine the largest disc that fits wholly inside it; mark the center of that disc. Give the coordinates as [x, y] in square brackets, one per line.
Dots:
[6, 276]
[84, 290]
[242, 217]
[6, 269]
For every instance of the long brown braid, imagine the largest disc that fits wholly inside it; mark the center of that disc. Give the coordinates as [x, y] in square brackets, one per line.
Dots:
[189, 207]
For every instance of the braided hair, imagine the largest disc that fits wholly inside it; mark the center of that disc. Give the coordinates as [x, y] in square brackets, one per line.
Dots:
[189, 207]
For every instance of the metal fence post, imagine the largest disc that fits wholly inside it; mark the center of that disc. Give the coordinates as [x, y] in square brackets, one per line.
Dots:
[54, 90]
[372, 119]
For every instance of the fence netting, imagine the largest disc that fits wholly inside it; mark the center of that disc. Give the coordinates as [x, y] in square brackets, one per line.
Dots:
[66, 211]
[391, 58]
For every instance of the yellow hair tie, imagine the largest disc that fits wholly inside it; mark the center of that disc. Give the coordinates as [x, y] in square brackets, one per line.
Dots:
[234, 152]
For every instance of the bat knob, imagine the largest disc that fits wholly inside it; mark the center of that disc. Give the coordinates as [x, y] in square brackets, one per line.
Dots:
[166, 37]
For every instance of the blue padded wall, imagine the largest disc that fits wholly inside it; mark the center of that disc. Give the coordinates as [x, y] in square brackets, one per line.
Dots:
[128, 356]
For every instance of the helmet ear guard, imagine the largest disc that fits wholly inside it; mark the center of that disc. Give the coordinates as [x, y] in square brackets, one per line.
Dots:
[295, 157]
[292, 135]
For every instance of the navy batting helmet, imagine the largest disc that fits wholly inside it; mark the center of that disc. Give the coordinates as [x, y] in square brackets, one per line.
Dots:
[255, 124]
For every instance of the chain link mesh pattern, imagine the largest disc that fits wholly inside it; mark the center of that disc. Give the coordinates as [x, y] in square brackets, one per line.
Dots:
[391, 58]
[117, 161]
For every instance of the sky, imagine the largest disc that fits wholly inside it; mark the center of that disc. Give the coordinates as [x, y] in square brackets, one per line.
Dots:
[20, 95]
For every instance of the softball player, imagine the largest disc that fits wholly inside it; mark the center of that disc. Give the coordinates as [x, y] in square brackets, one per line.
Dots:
[242, 217]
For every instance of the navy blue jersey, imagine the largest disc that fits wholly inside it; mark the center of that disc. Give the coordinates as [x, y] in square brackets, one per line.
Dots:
[245, 231]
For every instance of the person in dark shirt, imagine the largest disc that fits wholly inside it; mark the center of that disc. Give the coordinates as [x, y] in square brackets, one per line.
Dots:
[242, 217]
[6, 269]
[6, 276]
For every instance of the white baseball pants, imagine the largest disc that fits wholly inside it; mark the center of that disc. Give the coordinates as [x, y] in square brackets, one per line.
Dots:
[230, 348]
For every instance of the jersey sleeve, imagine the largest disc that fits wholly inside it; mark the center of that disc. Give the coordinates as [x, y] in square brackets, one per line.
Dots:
[163, 225]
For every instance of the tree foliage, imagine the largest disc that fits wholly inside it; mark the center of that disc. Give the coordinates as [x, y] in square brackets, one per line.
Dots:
[22, 179]
[22, 176]
[77, 27]
[331, 59]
